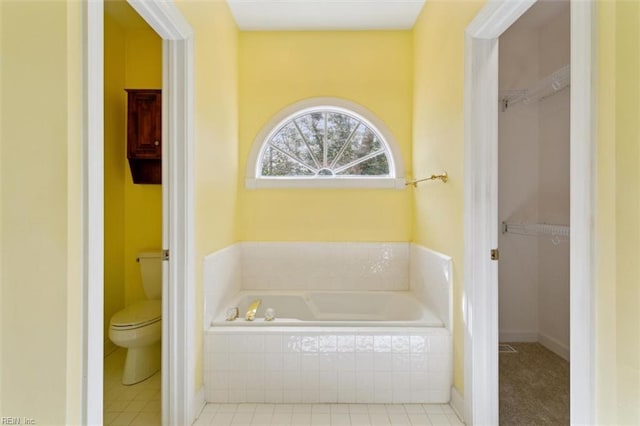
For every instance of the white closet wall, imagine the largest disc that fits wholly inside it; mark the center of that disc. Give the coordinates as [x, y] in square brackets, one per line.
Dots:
[553, 207]
[534, 180]
[518, 189]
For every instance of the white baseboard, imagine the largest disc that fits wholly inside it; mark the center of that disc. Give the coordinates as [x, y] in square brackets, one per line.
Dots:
[198, 404]
[554, 346]
[457, 403]
[548, 342]
[519, 336]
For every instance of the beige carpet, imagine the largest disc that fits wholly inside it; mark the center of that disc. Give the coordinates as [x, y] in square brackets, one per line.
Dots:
[534, 386]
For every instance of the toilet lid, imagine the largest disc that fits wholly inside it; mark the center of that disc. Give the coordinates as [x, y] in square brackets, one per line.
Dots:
[138, 315]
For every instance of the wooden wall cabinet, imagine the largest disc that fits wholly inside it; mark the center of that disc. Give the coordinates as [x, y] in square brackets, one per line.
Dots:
[144, 135]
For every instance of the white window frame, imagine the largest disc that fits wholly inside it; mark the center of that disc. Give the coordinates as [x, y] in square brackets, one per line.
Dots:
[395, 179]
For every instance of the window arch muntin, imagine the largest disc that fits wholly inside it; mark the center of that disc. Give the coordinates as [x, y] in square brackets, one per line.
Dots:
[333, 167]
[394, 178]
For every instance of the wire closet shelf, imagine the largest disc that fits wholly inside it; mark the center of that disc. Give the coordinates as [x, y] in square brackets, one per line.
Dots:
[558, 233]
[544, 88]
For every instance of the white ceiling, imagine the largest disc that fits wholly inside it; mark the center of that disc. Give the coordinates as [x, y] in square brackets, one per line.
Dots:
[318, 15]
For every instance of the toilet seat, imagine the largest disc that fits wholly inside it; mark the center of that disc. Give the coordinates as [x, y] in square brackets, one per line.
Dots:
[138, 315]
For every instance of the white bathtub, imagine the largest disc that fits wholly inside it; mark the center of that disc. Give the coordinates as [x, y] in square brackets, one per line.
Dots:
[355, 323]
[332, 308]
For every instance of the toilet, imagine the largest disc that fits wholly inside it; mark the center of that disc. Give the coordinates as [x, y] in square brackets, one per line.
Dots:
[138, 327]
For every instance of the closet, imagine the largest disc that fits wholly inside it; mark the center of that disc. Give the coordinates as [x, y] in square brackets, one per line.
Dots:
[533, 208]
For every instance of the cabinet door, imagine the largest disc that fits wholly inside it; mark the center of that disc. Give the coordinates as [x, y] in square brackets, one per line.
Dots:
[144, 127]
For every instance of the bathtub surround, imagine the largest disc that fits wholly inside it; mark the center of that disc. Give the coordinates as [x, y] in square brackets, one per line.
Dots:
[328, 364]
[325, 266]
[328, 266]
[350, 362]
[430, 279]
[222, 272]
[302, 266]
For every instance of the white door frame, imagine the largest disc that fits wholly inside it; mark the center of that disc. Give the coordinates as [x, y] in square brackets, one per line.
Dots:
[178, 303]
[480, 301]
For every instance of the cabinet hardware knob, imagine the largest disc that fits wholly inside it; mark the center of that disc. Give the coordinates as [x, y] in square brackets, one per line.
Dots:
[156, 143]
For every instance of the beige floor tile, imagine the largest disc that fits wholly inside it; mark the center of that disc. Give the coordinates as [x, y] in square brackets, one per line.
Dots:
[137, 404]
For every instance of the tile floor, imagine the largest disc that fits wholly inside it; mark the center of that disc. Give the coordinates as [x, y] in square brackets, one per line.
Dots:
[137, 404]
[327, 414]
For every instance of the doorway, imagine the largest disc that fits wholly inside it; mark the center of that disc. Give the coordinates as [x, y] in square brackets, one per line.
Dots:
[132, 216]
[480, 298]
[533, 213]
[178, 306]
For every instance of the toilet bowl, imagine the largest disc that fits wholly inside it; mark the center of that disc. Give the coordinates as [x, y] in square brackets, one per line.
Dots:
[138, 327]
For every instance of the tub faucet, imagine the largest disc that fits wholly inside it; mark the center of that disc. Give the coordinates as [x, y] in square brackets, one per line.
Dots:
[253, 308]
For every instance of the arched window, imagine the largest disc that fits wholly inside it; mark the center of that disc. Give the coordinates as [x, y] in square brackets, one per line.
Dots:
[324, 143]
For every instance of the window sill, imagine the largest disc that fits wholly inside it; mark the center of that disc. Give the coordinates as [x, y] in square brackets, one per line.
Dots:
[318, 182]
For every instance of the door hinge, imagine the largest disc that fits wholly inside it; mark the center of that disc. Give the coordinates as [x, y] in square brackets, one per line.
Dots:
[495, 254]
[165, 254]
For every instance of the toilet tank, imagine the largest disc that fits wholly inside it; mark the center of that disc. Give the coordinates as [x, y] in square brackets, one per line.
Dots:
[151, 271]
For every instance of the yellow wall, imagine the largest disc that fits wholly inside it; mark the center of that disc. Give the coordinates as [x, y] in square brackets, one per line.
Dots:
[370, 68]
[40, 162]
[618, 214]
[216, 138]
[115, 101]
[75, 198]
[142, 203]
[1, 209]
[438, 39]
